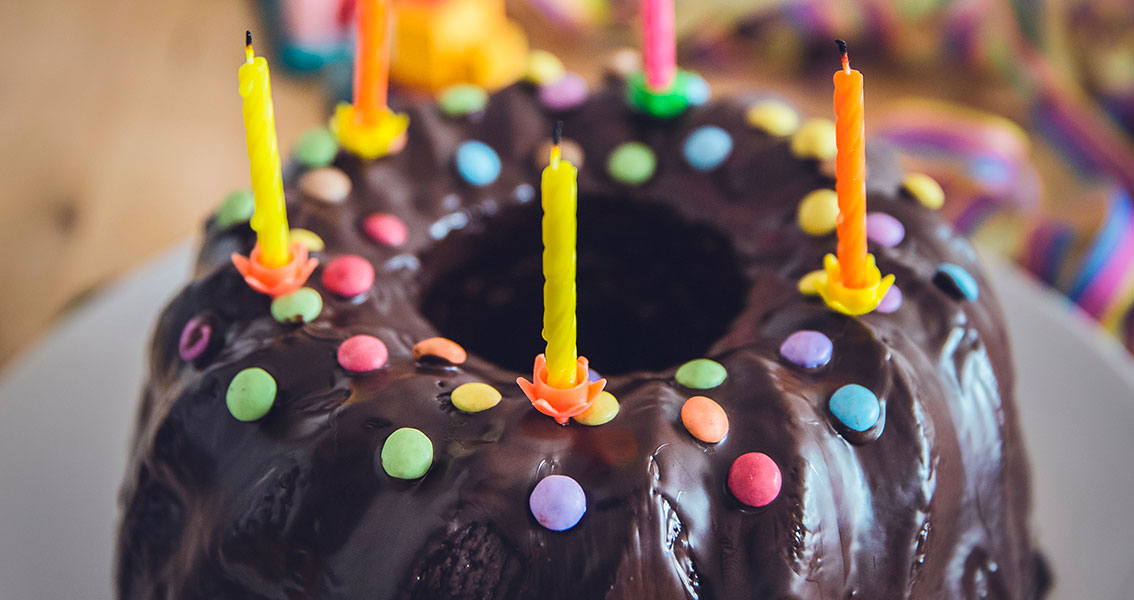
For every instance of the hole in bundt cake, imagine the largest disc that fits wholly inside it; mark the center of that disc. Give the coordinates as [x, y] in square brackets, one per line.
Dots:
[654, 290]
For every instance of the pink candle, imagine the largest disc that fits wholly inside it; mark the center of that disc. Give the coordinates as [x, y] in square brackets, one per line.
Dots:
[659, 51]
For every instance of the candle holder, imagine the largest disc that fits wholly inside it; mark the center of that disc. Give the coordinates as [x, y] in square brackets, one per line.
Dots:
[560, 403]
[276, 281]
[851, 301]
[687, 89]
[387, 135]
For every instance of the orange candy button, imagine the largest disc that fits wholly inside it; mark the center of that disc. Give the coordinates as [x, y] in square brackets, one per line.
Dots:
[442, 348]
[705, 419]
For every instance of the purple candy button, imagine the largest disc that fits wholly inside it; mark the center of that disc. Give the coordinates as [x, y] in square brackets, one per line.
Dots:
[891, 301]
[884, 230]
[806, 348]
[194, 339]
[558, 502]
[565, 93]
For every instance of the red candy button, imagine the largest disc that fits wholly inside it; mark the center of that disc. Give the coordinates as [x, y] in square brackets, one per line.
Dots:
[386, 229]
[754, 479]
[348, 275]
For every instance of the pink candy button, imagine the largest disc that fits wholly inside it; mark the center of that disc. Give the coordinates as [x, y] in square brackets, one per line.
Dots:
[362, 353]
[386, 229]
[754, 479]
[348, 275]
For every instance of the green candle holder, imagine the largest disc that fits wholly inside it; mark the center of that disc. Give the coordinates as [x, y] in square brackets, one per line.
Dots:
[687, 89]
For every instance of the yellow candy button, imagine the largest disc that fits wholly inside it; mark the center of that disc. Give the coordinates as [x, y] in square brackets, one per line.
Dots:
[818, 212]
[925, 189]
[543, 67]
[774, 117]
[602, 410]
[815, 139]
[308, 238]
[807, 283]
[475, 397]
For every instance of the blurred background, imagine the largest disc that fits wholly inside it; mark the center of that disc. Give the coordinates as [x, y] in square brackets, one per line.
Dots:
[121, 129]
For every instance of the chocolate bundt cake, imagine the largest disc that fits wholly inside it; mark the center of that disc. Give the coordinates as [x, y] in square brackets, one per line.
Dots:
[894, 435]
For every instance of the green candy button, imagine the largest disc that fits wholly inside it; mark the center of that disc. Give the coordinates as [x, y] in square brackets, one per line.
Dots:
[301, 306]
[250, 394]
[701, 374]
[316, 148]
[236, 208]
[462, 99]
[632, 163]
[407, 454]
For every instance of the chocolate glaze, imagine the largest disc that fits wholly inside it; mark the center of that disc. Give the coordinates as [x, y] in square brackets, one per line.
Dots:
[931, 503]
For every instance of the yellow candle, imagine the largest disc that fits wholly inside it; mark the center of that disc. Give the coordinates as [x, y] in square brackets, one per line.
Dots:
[270, 218]
[559, 196]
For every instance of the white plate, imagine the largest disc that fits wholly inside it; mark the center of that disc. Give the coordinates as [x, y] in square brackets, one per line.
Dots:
[67, 408]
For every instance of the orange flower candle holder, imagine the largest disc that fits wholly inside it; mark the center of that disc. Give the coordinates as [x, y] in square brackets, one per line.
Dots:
[561, 403]
[276, 281]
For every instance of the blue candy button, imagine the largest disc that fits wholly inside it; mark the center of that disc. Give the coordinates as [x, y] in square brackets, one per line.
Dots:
[706, 148]
[477, 163]
[697, 90]
[956, 282]
[855, 407]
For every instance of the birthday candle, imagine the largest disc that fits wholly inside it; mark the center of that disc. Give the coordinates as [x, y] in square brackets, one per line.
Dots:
[270, 217]
[372, 60]
[850, 173]
[659, 52]
[559, 193]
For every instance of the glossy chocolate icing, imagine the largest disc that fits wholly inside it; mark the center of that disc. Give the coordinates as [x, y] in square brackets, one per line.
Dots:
[930, 503]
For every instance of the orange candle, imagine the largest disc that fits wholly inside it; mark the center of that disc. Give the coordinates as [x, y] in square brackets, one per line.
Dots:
[372, 60]
[850, 173]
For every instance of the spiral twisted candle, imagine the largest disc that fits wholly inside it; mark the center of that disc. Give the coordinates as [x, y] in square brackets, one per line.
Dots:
[270, 217]
[559, 200]
[850, 169]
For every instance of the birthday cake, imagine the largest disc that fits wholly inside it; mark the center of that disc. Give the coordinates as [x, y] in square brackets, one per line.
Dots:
[363, 435]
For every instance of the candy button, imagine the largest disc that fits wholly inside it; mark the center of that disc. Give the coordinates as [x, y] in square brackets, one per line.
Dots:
[818, 212]
[569, 150]
[807, 349]
[701, 374]
[477, 163]
[773, 117]
[348, 275]
[956, 282]
[593, 375]
[543, 67]
[250, 394]
[558, 502]
[237, 208]
[892, 301]
[195, 338]
[855, 407]
[623, 62]
[602, 410]
[754, 478]
[442, 348]
[474, 397]
[885, 230]
[328, 184]
[523, 193]
[310, 239]
[925, 189]
[301, 306]
[316, 148]
[807, 283]
[815, 139]
[631, 163]
[705, 419]
[362, 353]
[565, 93]
[462, 99]
[386, 229]
[707, 147]
[697, 90]
[407, 454]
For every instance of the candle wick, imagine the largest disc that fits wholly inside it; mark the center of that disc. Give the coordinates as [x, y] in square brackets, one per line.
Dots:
[843, 52]
[557, 133]
[249, 53]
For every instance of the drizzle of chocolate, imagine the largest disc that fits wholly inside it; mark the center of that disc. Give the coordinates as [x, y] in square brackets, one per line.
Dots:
[932, 503]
